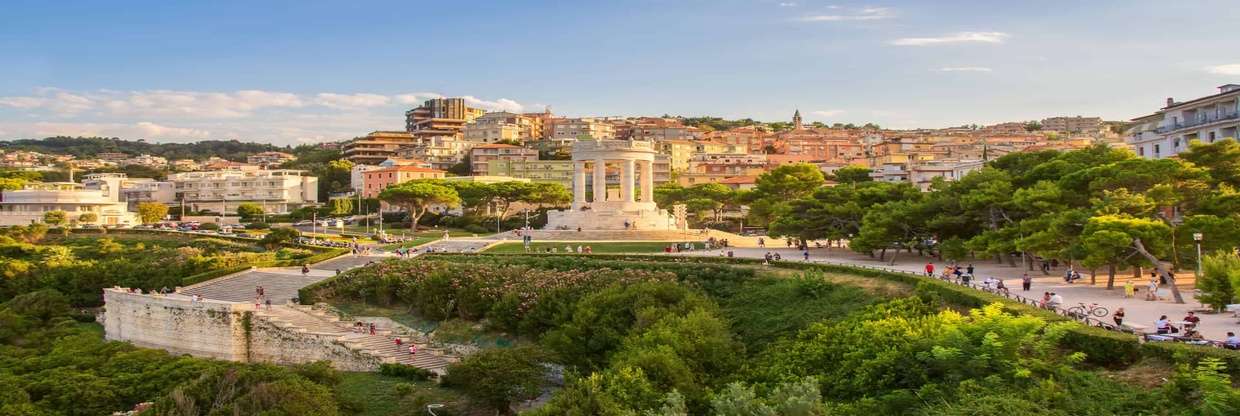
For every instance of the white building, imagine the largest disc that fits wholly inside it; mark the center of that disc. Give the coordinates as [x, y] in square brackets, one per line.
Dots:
[99, 194]
[278, 191]
[138, 190]
[923, 175]
[1168, 131]
[442, 152]
[575, 128]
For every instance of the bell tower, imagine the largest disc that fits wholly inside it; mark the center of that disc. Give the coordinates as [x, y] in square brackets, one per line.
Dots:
[796, 120]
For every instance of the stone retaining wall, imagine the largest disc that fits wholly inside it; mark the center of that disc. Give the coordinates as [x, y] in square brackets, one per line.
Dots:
[221, 330]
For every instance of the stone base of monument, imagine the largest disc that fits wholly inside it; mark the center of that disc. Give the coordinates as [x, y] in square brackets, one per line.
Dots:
[610, 219]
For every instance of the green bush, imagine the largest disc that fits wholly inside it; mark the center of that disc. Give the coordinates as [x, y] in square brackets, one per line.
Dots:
[209, 226]
[407, 372]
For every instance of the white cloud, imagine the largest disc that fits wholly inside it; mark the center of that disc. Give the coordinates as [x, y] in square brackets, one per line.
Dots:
[1227, 69]
[963, 69]
[959, 37]
[869, 13]
[257, 115]
[345, 101]
[788, 4]
[502, 104]
[155, 131]
[826, 113]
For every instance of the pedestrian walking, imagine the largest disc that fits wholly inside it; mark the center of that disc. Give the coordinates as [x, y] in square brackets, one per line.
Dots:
[398, 342]
[1118, 317]
[1026, 282]
[413, 349]
[372, 328]
[305, 269]
[268, 302]
[970, 268]
[1130, 290]
[930, 269]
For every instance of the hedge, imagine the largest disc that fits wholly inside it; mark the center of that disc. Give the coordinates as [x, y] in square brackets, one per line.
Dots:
[1101, 347]
[407, 372]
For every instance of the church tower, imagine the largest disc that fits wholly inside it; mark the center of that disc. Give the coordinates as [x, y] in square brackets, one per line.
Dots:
[796, 120]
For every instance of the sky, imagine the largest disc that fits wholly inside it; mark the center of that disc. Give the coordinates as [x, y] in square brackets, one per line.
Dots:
[290, 72]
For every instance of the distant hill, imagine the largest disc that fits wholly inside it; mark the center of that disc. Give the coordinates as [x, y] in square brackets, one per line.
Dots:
[88, 147]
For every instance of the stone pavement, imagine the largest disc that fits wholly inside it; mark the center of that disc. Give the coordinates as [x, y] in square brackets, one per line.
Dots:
[1138, 311]
[280, 284]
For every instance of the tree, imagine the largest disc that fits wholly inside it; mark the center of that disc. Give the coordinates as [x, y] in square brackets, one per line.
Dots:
[499, 377]
[1121, 236]
[781, 185]
[342, 206]
[249, 211]
[417, 197]
[1219, 282]
[279, 236]
[152, 212]
[88, 218]
[852, 174]
[55, 218]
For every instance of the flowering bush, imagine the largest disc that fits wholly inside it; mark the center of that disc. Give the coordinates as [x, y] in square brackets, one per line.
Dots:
[515, 297]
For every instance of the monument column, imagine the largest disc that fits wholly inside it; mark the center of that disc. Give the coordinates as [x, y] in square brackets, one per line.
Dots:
[579, 183]
[600, 181]
[647, 181]
[626, 180]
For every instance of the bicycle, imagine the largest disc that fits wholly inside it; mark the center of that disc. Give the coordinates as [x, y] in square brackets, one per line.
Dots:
[1083, 310]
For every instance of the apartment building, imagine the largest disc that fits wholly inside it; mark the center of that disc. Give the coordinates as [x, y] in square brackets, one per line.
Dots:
[1168, 131]
[577, 128]
[715, 167]
[145, 160]
[278, 191]
[923, 175]
[99, 194]
[440, 116]
[375, 181]
[442, 152]
[1075, 124]
[479, 156]
[556, 171]
[678, 152]
[497, 126]
[655, 132]
[268, 159]
[377, 146]
[138, 190]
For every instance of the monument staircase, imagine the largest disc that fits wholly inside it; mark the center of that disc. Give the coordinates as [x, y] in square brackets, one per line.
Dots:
[304, 319]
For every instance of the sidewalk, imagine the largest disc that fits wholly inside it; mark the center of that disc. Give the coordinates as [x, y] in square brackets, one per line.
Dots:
[1138, 311]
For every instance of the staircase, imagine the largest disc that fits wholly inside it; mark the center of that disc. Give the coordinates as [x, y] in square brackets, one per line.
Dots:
[304, 319]
[604, 235]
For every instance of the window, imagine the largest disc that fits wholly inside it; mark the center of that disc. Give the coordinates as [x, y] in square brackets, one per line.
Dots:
[1157, 150]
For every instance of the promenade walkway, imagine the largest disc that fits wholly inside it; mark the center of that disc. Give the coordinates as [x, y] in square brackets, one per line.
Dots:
[1138, 311]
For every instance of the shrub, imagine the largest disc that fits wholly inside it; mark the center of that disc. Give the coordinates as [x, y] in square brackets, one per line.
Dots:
[407, 372]
[209, 226]
[477, 229]
[257, 226]
[499, 377]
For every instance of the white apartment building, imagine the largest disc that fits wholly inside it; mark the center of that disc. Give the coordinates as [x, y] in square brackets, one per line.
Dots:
[497, 126]
[138, 190]
[1169, 131]
[923, 175]
[98, 193]
[440, 151]
[575, 128]
[278, 190]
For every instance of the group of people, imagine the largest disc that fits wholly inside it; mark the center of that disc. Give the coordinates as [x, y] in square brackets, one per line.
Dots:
[261, 298]
[413, 348]
[713, 243]
[1050, 300]
[1163, 326]
[364, 327]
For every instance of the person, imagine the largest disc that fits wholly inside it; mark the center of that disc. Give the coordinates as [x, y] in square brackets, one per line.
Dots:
[398, 342]
[1163, 326]
[999, 286]
[1192, 319]
[589, 250]
[1232, 342]
[1046, 298]
[761, 242]
[1118, 317]
[259, 291]
[1151, 293]
[305, 269]
[1129, 289]
[578, 229]
[579, 249]
[731, 254]
[767, 256]
[1026, 282]
[930, 269]
[970, 268]
[258, 302]
[1191, 333]
[1055, 301]
[1067, 275]
[777, 256]
[372, 328]
[413, 349]
[805, 254]
[268, 302]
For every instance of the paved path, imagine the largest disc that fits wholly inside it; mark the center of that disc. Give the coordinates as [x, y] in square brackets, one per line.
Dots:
[1137, 310]
[280, 284]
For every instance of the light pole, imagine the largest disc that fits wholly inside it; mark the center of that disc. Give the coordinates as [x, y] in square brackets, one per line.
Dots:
[1197, 239]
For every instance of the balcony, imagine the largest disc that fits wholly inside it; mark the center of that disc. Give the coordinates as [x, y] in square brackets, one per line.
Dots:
[1200, 121]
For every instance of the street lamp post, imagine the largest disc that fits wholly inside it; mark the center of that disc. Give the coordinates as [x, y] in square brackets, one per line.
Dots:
[1197, 237]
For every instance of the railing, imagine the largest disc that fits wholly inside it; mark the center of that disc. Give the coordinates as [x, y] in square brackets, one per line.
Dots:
[1198, 122]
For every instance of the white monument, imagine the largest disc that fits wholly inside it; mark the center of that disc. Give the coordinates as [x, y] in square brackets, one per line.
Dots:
[631, 208]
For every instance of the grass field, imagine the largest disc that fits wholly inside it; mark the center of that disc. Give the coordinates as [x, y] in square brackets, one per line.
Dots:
[381, 395]
[414, 242]
[596, 248]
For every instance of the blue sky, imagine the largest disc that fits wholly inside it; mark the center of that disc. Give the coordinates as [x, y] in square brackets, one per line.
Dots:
[306, 71]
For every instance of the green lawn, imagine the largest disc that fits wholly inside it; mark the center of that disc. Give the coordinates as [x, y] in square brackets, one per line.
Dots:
[380, 395]
[596, 248]
[414, 242]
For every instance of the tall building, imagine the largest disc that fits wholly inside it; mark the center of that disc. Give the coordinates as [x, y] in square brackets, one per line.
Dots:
[1168, 131]
[797, 124]
[377, 146]
[440, 116]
